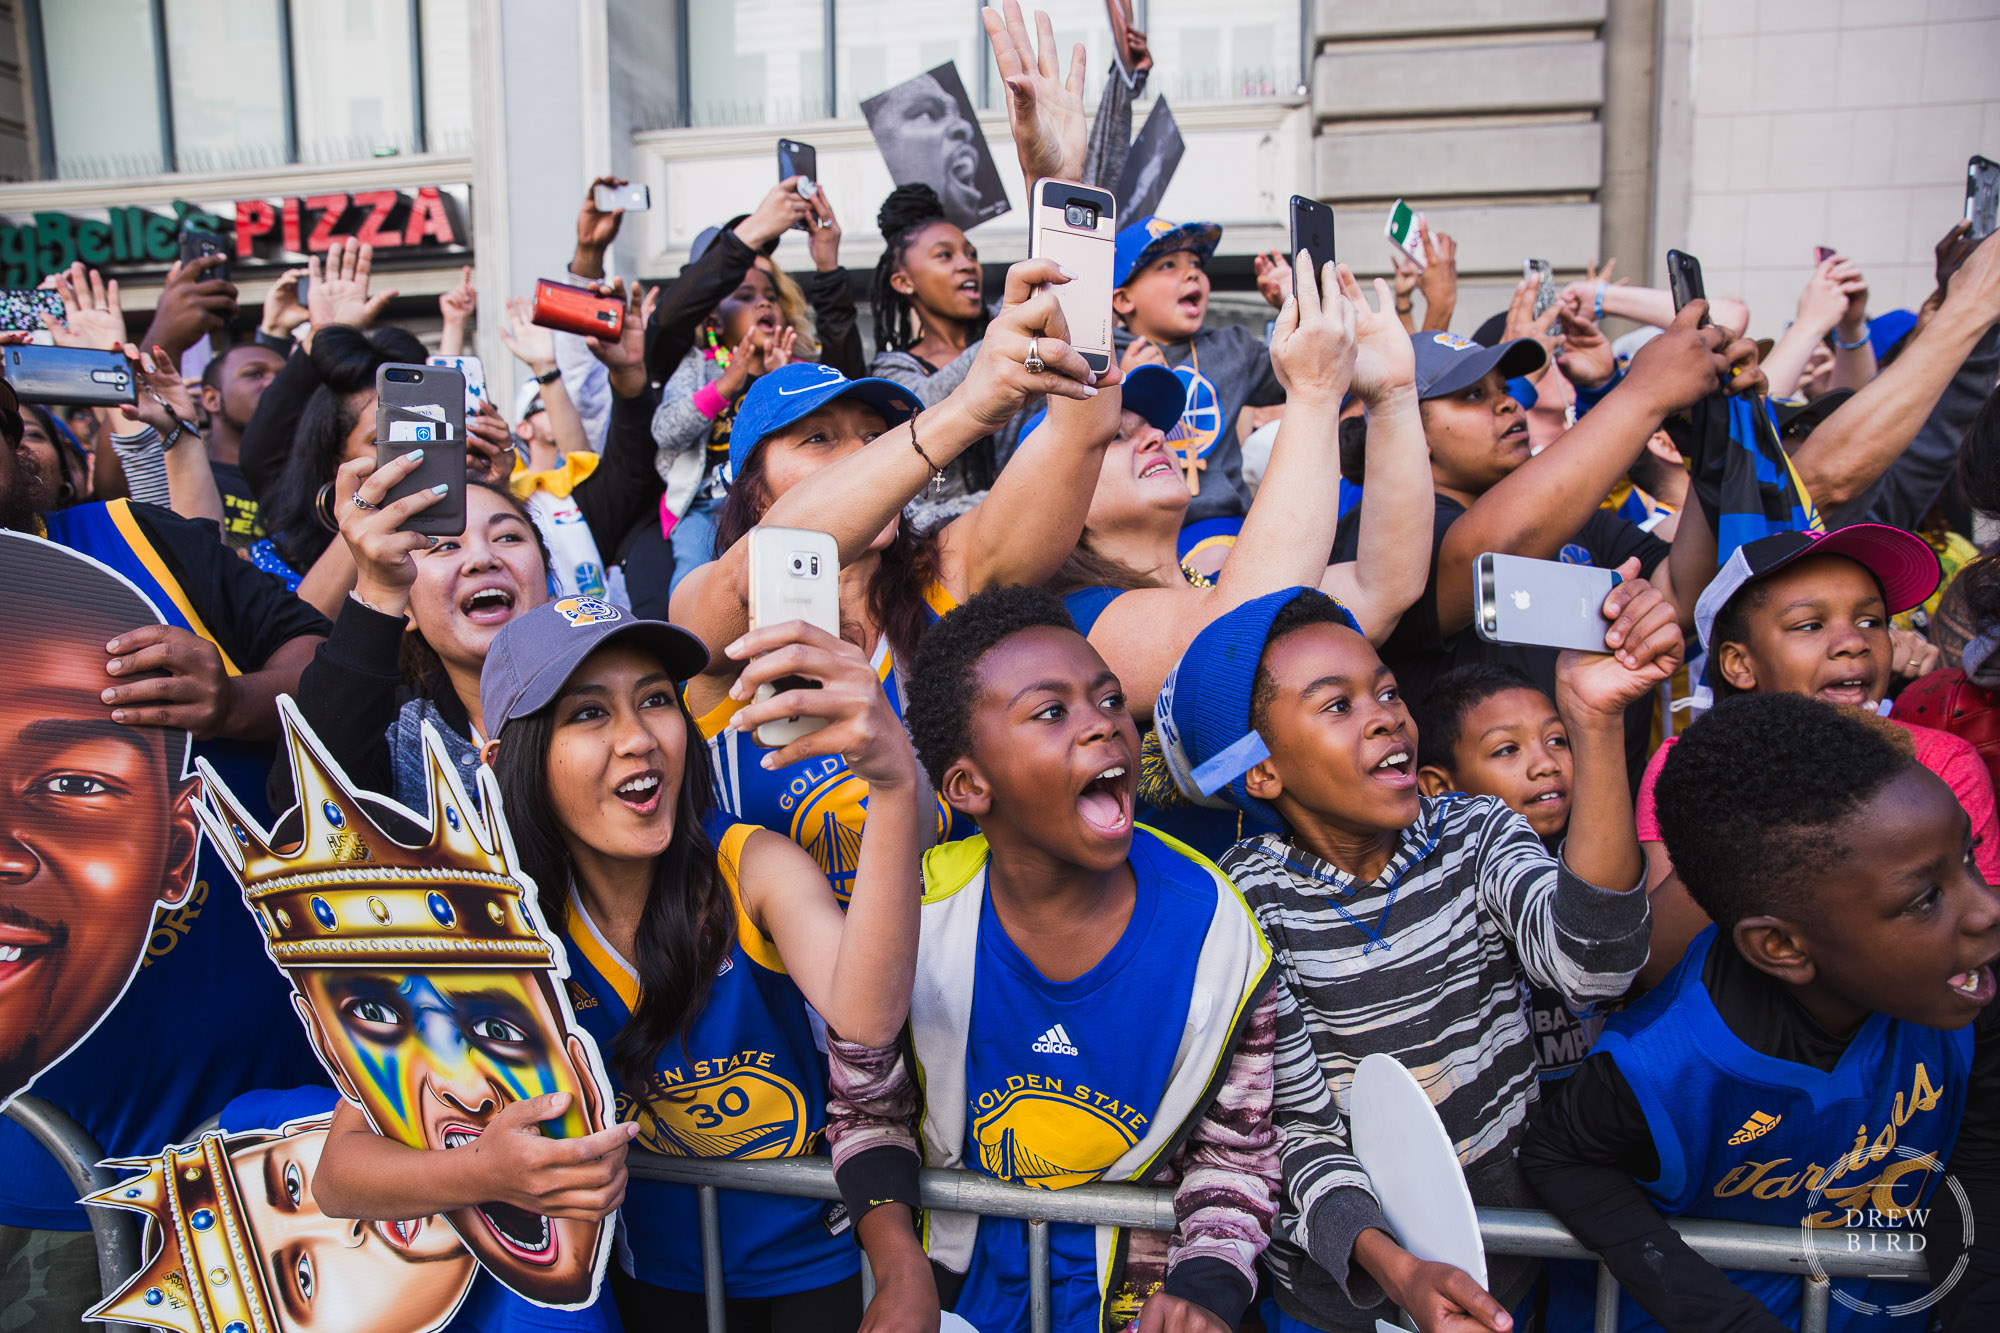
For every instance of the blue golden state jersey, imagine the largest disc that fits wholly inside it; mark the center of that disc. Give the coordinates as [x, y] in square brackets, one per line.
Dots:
[206, 1016]
[1061, 1082]
[748, 1081]
[1745, 1137]
[818, 803]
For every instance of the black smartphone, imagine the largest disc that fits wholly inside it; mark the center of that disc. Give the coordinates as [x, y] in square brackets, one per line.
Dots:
[1982, 195]
[423, 407]
[78, 376]
[799, 159]
[22, 308]
[198, 244]
[304, 278]
[1684, 278]
[1312, 229]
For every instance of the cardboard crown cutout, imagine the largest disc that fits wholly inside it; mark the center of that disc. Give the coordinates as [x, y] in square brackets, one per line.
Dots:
[239, 1246]
[428, 983]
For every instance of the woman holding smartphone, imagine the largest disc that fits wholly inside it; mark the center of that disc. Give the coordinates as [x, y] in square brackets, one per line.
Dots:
[813, 449]
[700, 943]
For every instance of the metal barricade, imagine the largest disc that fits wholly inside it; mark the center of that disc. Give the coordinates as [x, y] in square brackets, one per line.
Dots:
[1519, 1231]
[116, 1233]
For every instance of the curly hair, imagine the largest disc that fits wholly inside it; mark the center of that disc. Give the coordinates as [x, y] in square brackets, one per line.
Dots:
[903, 215]
[943, 683]
[1756, 800]
[1453, 696]
[1311, 607]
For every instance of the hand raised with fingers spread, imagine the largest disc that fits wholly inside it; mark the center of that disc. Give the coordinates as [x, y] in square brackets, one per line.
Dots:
[532, 345]
[91, 313]
[340, 295]
[1044, 110]
[861, 725]
[1274, 277]
[1385, 359]
[1313, 347]
[163, 401]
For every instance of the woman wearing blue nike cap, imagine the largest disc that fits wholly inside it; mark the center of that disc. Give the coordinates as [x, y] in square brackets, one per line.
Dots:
[814, 449]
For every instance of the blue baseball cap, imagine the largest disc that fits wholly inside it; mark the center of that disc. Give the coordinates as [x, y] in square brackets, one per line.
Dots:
[1203, 712]
[534, 655]
[1447, 363]
[1150, 237]
[1154, 392]
[798, 390]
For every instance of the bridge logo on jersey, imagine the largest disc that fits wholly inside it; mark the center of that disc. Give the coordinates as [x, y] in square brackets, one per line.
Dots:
[1575, 553]
[827, 817]
[1201, 422]
[1048, 1138]
[747, 1112]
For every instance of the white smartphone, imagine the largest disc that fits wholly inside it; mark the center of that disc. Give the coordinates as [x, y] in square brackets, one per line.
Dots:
[1077, 226]
[794, 575]
[1402, 232]
[1541, 603]
[475, 378]
[634, 198]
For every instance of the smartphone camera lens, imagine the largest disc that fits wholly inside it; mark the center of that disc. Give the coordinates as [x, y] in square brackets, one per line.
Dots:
[1080, 215]
[805, 565]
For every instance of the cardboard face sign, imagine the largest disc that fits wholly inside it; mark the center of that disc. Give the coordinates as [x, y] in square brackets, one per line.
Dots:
[928, 134]
[97, 831]
[236, 1211]
[428, 983]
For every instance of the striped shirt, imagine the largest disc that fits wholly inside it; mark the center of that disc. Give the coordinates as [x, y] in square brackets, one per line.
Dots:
[1427, 963]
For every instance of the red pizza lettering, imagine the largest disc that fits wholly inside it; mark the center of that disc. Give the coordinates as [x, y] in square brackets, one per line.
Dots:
[378, 203]
[332, 207]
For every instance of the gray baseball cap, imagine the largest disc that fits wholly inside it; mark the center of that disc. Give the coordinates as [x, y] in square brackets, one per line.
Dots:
[533, 656]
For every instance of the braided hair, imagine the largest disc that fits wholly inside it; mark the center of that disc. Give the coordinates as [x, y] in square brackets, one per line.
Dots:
[907, 211]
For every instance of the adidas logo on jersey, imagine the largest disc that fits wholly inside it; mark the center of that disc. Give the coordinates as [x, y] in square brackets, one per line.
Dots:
[1054, 1042]
[1756, 1127]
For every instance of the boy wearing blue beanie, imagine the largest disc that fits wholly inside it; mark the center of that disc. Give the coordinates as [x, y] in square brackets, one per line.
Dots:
[1406, 924]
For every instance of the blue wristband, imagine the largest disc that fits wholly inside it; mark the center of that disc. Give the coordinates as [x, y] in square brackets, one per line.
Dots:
[1597, 310]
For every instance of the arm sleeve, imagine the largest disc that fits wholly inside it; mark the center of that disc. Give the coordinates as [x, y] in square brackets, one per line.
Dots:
[690, 299]
[1967, 776]
[585, 379]
[1324, 1184]
[929, 389]
[1229, 1180]
[871, 1105]
[1905, 493]
[625, 486]
[349, 696]
[839, 331]
[144, 463]
[1584, 941]
[248, 611]
[1584, 1150]
[678, 424]
[267, 440]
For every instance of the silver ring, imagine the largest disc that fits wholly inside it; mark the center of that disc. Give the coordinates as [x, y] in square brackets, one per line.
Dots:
[360, 503]
[1033, 362]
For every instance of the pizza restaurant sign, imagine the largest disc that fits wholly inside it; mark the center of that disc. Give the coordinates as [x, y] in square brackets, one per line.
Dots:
[431, 221]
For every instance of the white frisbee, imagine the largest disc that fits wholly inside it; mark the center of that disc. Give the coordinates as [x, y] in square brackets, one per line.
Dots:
[1409, 1159]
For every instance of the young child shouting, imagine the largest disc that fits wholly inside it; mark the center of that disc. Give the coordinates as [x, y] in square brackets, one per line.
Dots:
[1488, 730]
[1093, 1002]
[1808, 1061]
[1406, 923]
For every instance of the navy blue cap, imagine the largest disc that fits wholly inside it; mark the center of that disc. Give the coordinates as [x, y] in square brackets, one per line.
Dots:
[1203, 712]
[1447, 363]
[1150, 237]
[534, 655]
[798, 390]
[1153, 391]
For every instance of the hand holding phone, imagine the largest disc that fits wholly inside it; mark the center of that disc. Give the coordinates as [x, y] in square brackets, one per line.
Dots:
[632, 197]
[802, 160]
[1541, 603]
[1403, 233]
[1684, 278]
[424, 407]
[74, 376]
[1077, 226]
[198, 244]
[794, 575]
[578, 310]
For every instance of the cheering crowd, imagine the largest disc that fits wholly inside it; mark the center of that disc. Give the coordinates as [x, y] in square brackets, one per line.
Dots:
[1152, 791]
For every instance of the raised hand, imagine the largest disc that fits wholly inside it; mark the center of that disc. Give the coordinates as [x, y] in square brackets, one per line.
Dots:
[595, 230]
[283, 311]
[781, 206]
[340, 294]
[384, 558]
[1385, 360]
[489, 446]
[1313, 346]
[91, 314]
[531, 344]
[192, 303]
[1274, 277]
[625, 356]
[1645, 645]
[861, 725]
[163, 400]
[457, 307]
[1439, 279]
[1044, 110]
[1585, 358]
[1681, 366]
[824, 238]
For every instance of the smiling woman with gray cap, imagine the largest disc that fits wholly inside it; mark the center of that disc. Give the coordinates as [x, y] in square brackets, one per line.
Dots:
[695, 943]
[814, 449]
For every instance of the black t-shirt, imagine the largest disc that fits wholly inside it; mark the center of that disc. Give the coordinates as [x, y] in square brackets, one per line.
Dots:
[1418, 653]
[248, 611]
[240, 528]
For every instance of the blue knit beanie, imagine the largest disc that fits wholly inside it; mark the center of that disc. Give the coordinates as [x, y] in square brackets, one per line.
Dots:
[1203, 714]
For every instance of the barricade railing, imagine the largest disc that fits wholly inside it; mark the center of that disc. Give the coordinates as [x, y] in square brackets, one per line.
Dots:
[1518, 1231]
[116, 1233]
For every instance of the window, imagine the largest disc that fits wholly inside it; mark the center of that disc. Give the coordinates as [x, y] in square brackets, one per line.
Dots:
[880, 43]
[111, 102]
[756, 62]
[1209, 49]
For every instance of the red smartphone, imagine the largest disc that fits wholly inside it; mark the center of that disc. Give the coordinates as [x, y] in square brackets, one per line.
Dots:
[578, 310]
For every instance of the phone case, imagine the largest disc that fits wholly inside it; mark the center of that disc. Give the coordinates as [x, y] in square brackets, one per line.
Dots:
[196, 244]
[1402, 233]
[78, 375]
[1541, 603]
[1312, 229]
[1982, 195]
[1088, 253]
[1684, 279]
[794, 575]
[432, 395]
[636, 197]
[578, 310]
[475, 378]
[1544, 274]
[22, 308]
